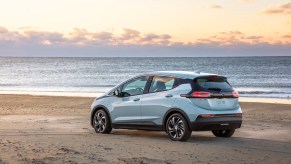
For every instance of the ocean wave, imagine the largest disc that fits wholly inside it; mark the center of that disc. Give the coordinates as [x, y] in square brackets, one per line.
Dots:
[57, 85]
[263, 92]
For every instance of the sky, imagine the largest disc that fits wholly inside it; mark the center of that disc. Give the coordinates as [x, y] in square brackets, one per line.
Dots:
[145, 28]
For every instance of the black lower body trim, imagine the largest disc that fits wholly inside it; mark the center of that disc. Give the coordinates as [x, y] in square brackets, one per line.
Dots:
[138, 127]
[216, 123]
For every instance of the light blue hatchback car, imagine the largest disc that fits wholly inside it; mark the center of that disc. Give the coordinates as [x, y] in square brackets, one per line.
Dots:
[177, 102]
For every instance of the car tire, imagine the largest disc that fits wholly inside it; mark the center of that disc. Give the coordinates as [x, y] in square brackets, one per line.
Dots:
[177, 128]
[223, 133]
[101, 122]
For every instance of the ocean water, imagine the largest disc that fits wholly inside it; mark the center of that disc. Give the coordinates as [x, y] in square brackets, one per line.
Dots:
[251, 76]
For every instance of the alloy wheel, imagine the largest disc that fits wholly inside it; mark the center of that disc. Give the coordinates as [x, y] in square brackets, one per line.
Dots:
[100, 121]
[176, 127]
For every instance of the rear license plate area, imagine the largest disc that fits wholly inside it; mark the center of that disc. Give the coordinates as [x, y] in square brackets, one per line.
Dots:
[220, 102]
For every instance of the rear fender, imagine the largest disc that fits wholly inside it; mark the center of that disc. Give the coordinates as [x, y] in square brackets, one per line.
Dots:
[172, 111]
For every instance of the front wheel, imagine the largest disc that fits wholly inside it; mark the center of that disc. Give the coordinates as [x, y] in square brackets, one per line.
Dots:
[177, 128]
[223, 133]
[101, 122]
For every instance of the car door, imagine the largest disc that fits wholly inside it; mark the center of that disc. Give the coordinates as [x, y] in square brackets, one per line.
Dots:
[158, 100]
[126, 109]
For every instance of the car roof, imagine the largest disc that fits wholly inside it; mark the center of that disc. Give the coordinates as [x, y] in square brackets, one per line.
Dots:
[181, 74]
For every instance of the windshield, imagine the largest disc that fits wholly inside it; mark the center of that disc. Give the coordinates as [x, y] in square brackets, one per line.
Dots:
[212, 83]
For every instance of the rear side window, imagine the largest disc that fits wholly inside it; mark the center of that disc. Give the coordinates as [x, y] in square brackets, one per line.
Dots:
[179, 81]
[212, 83]
[161, 83]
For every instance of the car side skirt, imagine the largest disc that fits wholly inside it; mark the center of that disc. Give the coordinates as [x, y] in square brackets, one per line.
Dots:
[137, 126]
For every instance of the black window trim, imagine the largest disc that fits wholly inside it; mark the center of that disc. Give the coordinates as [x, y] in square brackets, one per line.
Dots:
[148, 84]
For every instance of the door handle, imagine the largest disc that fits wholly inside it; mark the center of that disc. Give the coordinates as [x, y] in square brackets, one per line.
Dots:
[137, 99]
[169, 95]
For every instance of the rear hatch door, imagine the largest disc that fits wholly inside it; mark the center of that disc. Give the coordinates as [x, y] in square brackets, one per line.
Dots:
[219, 93]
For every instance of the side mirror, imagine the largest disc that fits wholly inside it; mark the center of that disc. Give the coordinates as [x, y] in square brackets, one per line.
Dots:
[117, 93]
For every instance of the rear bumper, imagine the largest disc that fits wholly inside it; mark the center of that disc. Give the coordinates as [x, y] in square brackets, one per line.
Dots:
[216, 123]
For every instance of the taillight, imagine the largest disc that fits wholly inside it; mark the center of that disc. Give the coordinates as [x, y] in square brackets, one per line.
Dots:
[235, 94]
[197, 94]
[201, 94]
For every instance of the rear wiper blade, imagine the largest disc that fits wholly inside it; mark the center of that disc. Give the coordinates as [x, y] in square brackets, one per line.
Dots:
[214, 89]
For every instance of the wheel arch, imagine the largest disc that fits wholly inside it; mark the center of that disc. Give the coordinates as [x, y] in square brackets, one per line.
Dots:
[172, 111]
[97, 107]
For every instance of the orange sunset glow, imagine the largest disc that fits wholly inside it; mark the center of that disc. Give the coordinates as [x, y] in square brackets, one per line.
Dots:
[37, 26]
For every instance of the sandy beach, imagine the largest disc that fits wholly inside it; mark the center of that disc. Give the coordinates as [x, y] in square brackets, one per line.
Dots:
[51, 129]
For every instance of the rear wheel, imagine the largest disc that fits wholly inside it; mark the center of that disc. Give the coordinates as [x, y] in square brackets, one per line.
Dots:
[177, 128]
[223, 133]
[101, 122]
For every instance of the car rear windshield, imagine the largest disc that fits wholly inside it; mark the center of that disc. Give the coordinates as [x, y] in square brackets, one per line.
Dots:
[212, 83]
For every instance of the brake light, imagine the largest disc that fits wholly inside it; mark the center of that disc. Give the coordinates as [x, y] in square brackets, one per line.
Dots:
[201, 94]
[235, 94]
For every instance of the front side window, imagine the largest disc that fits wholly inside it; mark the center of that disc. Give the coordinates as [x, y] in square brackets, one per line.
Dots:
[135, 86]
[161, 83]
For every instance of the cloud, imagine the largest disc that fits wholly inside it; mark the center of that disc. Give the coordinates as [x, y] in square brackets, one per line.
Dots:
[81, 42]
[287, 36]
[130, 34]
[155, 39]
[234, 38]
[3, 30]
[214, 6]
[279, 9]
[36, 36]
[83, 37]
[103, 36]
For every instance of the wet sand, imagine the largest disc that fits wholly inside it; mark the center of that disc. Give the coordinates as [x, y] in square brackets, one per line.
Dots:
[43, 129]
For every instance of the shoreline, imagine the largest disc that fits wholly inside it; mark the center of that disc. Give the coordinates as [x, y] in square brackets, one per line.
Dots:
[265, 100]
[94, 95]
